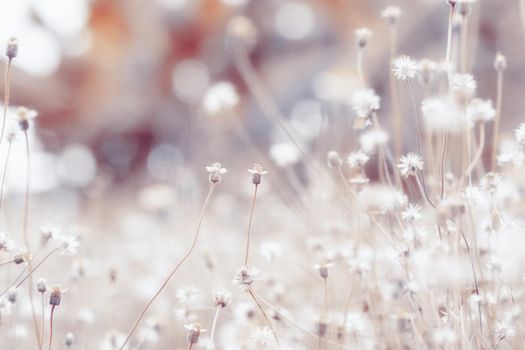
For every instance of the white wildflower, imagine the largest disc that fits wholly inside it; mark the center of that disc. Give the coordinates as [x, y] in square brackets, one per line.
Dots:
[409, 164]
[480, 111]
[405, 68]
[411, 213]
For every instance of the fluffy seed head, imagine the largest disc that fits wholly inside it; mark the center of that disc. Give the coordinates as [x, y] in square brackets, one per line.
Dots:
[257, 172]
[216, 171]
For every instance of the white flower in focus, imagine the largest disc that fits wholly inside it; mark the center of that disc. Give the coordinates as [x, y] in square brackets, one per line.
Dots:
[357, 159]
[284, 154]
[262, 337]
[365, 102]
[405, 68]
[480, 111]
[220, 97]
[409, 164]
[519, 135]
[411, 213]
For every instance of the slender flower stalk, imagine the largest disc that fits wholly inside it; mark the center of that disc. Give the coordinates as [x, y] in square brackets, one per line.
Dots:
[257, 173]
[11, 52]
[500, 64]
[215, 171]
[4, 173]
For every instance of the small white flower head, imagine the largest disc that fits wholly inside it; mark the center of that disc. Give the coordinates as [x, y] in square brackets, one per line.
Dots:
[405, 68]
[464, 87]
[246, 276]
[365, 102]
[263, 337]
[216, 171]
[409, 164]
[241, 31]
[323, 269]
[411, 213]
[480, 111]
[391, 14]
[23, 116]
[11, 50]
[41, 285]
[69, 339]
[220, 97]
[357, 160]
[257, 172]
[194, 332]
[284, 154]
[428, 71]
[222, 298]
[490, 182]
[362, 35]
[49, 231]
[519, 135]
[500, 62]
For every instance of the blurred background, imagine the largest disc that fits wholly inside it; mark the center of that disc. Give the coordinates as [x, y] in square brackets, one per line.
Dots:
[124, 80]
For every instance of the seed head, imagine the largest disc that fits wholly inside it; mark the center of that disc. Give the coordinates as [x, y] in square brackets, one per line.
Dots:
[500, 62]
[246, 275]
[215, 171]
[257, 172]
[11, 49]
[69, 339]
[222, 298]
[194, 332]
[41, 285]
[56, 296]
[23, 116]
[362, 35]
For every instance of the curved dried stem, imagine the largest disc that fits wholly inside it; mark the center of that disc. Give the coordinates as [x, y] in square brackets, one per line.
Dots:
[172, 272]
